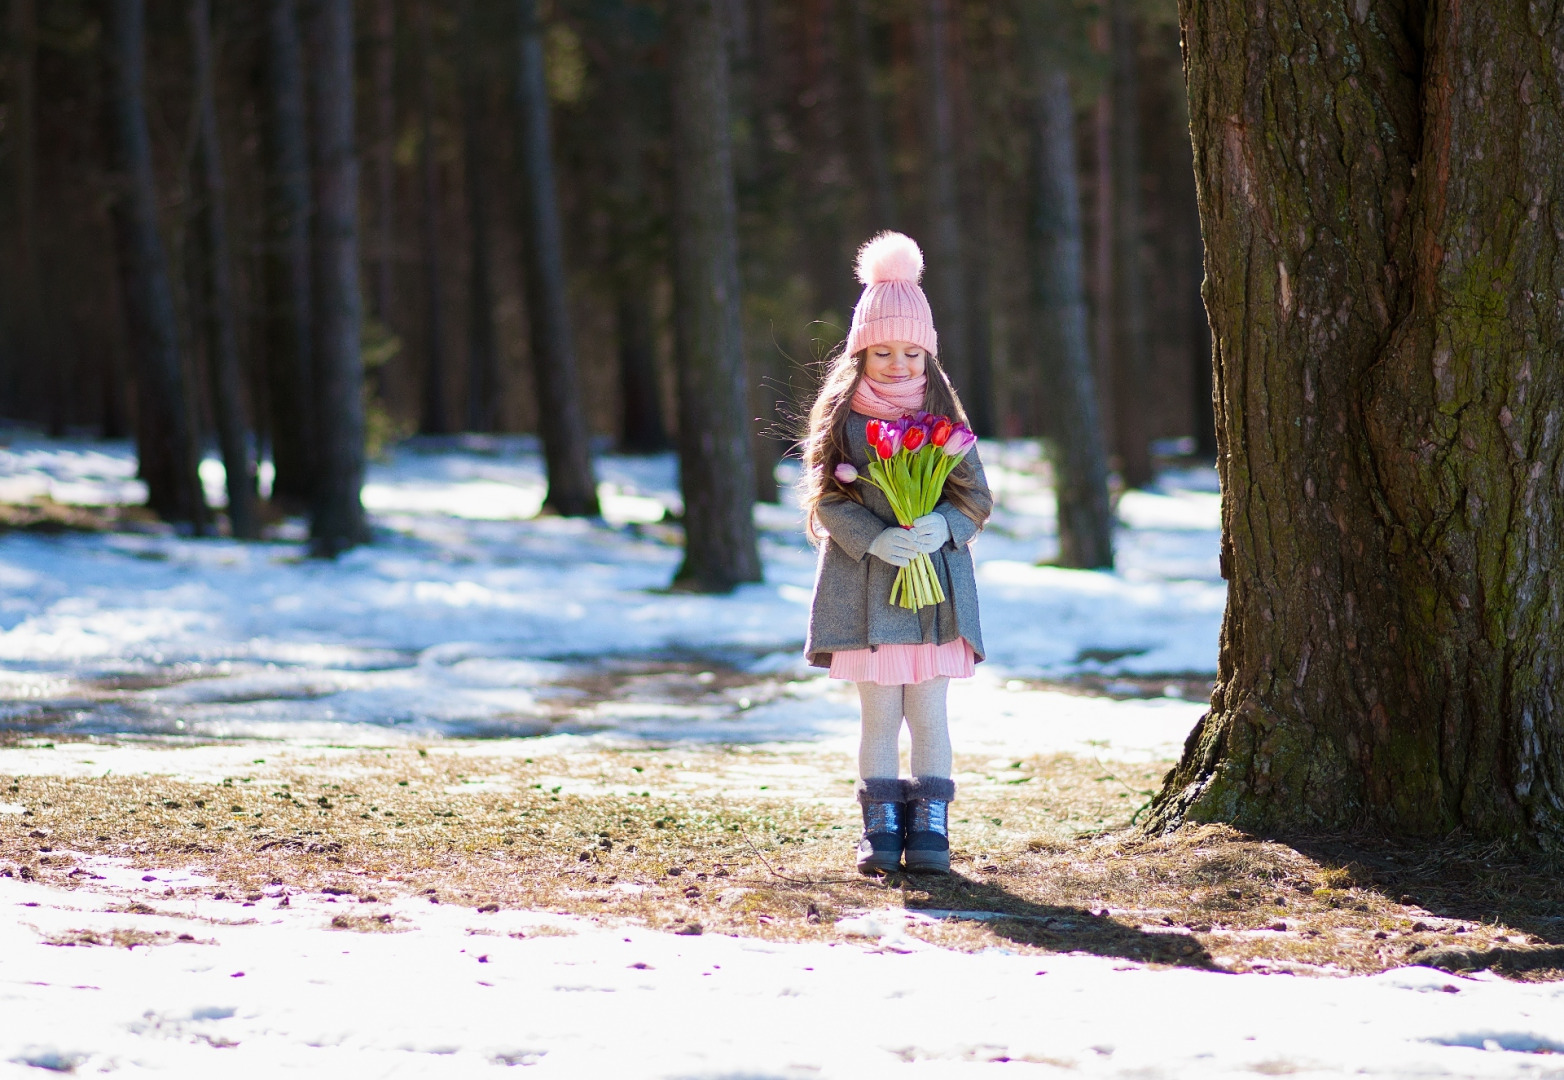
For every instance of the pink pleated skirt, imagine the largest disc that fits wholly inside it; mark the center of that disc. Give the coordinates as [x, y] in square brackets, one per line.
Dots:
[899, 665]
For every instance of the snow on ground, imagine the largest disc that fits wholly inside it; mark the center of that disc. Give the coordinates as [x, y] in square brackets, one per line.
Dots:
[227, 989]
[467, 608]
[470, 616]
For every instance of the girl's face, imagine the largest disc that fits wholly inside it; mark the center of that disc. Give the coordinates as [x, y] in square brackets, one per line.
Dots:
[893, 362]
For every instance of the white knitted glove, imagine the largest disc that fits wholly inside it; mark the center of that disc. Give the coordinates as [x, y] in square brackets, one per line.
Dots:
[930, 532]
[895, 545]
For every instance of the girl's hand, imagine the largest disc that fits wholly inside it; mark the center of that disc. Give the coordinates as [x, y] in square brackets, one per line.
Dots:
[930, 532]
[896, 545]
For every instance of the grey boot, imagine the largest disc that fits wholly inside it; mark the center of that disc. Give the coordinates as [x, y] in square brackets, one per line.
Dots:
[927, 847]
[879, 851]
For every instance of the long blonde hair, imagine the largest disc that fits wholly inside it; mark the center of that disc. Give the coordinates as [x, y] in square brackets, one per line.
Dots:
[825, 443]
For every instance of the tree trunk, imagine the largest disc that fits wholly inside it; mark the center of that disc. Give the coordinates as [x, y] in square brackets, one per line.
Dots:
[716, 473]
[382, 77]
[337, 522]
[978, 393]
[1132, 347]
[165, 436]
[1380, 245]
[1059, 301]
[222, 337]
[483, 363]
[567, 452]
[641, 426]
[946, 281]
[25, 291]
[433, 418]
[866, 113]
[287, 274]
[1102, 261]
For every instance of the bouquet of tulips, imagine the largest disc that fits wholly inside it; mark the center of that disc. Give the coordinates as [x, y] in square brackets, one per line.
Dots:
[909, 460]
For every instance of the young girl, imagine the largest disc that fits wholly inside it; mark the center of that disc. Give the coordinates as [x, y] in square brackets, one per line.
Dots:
[902, 660]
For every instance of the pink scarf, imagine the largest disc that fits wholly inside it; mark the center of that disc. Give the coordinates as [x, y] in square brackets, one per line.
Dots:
[889, 401]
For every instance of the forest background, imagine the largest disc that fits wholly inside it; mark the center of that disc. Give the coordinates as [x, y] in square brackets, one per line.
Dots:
[846, 117]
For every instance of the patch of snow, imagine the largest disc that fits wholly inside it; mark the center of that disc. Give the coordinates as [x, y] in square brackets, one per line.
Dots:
[456, 620]
[454, 992]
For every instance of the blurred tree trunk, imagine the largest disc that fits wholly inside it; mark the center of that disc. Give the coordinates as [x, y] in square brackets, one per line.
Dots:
[1102, 259]
[483, 375]
[716, 473]
[337, 522]
[756, 61]
[222, 336]
[1132, 346]
[641, 427]
[946, 281]
[287, 271]
[870, 133]
[382, 78]
[1081, 460]
[165, 434]
[434, 414]
[25, 293]
[978, 394]
[567, 454]
[1388, 408]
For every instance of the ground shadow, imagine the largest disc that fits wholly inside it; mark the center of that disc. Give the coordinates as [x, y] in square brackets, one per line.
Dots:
[1057, 927]
[1498, 884]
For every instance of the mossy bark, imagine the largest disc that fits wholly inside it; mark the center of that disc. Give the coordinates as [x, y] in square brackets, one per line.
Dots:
[1380, 197]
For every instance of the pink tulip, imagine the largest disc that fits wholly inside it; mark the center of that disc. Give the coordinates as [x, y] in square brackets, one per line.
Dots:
[845, 473]
[961, 440]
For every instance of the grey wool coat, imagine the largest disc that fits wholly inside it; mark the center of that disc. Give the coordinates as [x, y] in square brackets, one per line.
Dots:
[851, 608]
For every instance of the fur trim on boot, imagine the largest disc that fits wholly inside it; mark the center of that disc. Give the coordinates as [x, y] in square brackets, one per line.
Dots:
[884, 819]
[927, 847]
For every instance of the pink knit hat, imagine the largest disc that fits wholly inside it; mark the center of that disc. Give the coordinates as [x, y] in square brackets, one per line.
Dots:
[892, 307]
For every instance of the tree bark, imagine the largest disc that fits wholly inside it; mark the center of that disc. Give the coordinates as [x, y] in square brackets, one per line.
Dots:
[1059, 301]
[222, 337]
[337, 522]
[1377, 184]
[483, 364]
[716, 473]
[567, 454]
[946, 280]
[1132, 347]
[165, 436]
[287, 272]
[433, 418]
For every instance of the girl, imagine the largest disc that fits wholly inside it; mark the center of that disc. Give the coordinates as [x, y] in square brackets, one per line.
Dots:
[902, 660]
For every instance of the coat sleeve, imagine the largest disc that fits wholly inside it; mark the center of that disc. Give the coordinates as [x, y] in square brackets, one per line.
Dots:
[962, 528]
[853, 526]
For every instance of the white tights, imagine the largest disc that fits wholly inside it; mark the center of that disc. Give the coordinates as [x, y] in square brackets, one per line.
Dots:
[923, 704]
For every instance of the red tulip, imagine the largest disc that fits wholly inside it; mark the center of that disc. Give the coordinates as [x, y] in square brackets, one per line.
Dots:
[913, 439]
[941, 432]
[890, 441]
[872, 432]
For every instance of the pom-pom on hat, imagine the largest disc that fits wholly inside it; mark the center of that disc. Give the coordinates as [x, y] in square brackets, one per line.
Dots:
[892, 307]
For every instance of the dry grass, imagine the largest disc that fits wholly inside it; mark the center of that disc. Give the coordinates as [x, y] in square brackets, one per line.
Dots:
[758, 842]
